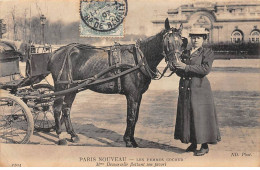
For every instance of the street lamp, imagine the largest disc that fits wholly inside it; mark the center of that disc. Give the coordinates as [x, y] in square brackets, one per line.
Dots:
[43, 21]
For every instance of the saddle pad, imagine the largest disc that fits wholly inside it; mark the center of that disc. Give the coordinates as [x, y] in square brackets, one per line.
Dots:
[115, 55]
[122, 54]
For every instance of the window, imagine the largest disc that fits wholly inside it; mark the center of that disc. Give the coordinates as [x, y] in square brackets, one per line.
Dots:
[237, 37]
[254, 36]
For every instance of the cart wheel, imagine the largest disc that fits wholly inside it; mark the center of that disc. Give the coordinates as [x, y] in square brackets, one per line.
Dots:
[16, 120]
[43, 113]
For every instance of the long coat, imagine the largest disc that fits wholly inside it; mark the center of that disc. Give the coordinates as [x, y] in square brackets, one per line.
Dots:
[196, 120]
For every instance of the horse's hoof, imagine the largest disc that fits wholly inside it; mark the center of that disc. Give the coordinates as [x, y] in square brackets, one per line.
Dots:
[135, 145]
[62, 142]
[75, 139]
[130, 143]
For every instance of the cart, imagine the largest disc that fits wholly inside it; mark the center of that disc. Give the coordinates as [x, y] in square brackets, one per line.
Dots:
[19, 116]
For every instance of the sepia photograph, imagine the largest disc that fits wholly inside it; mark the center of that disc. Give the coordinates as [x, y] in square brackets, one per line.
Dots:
[129, 83]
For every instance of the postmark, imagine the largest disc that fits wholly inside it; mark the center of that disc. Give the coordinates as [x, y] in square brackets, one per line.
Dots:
[102, 18]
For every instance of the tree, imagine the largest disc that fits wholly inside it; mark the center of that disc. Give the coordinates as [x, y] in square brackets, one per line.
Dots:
[25, 39]
[14, 23]
[35, 30]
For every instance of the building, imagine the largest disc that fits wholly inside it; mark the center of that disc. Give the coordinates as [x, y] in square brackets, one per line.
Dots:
[227, 22]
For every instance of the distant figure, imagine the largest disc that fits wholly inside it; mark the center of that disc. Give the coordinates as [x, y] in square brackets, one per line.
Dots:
[196, 120]
[32, 47]
[47, 48]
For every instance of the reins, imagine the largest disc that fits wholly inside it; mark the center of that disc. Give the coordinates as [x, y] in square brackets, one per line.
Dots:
[153, 75]
[83, 84]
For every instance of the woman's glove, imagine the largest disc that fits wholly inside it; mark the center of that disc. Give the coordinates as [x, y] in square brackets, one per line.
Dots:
[180, 65]
[172, 67]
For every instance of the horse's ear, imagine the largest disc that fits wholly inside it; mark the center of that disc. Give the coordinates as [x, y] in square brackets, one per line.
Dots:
[180, 29]
[167, 24]
[184, 43]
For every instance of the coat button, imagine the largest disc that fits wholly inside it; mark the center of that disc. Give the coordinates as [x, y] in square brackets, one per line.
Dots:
[182, 87]
[189, 78]
[188, 88]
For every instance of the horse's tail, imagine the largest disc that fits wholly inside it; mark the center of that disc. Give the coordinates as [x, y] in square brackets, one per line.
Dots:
[66, 52]
[53, 54]
[49, 61]
[48, 64]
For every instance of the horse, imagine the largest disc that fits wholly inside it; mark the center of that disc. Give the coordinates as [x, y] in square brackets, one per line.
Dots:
[87, 61]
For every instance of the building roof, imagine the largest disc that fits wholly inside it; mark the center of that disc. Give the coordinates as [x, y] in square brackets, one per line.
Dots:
[238, 11]
[209, 6]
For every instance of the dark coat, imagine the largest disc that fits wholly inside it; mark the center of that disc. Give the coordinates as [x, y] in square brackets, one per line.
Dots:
[196, 120]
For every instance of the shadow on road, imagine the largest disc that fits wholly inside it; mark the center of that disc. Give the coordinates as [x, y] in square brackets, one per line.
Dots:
[108, 138]
[46, 136]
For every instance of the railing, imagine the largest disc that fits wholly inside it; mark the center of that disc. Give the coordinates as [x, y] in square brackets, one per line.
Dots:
[40, 49]
[242, 50]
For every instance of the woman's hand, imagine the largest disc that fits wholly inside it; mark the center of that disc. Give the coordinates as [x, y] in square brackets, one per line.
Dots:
[180, 65]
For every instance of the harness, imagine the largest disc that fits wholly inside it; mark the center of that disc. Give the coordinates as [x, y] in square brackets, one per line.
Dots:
[115, 64]
[115, 59]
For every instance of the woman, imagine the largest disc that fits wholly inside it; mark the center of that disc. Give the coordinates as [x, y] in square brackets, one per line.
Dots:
[196, 120]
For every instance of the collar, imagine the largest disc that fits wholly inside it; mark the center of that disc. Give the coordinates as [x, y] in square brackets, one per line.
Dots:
[195, 53]
[194, 50]
[199, 49]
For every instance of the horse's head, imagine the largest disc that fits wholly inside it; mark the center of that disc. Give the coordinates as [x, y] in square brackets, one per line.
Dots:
[173, 44]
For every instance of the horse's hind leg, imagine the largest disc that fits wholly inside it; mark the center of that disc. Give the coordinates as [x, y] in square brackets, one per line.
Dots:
[133, 104]
[66, 108]
[57, 106]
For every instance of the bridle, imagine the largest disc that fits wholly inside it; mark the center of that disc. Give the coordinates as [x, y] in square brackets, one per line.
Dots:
[157, 75]
[167, 52]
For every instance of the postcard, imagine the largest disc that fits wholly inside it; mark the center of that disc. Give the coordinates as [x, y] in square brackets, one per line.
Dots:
[129, 83]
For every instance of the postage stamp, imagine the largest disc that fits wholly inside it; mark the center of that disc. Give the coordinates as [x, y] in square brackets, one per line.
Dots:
[102, 18]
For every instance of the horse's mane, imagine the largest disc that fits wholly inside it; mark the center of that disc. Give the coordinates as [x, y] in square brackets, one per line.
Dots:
[152, 45]
[154, 37]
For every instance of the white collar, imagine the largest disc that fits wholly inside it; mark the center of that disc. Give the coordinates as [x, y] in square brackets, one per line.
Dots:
[193, 50]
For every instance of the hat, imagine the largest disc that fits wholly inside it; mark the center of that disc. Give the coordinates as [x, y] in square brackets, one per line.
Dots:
[198, 31]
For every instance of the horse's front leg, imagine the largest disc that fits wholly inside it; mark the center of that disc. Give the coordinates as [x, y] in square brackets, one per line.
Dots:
[66, 109]
[133, 104]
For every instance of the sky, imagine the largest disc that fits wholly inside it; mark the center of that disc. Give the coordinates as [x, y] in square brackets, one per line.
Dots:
[138, 20]
[68, 10]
